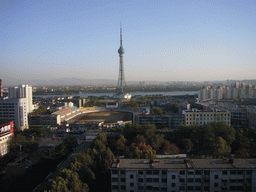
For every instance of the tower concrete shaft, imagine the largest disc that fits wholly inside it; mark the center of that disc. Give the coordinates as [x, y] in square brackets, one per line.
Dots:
[121, 81]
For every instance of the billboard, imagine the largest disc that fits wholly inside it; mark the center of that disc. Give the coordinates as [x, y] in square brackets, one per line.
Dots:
[6, 128]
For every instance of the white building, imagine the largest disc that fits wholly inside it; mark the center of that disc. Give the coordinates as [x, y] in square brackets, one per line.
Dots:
[204, 117]
[180, 175]
[14, 110]
[23, 91]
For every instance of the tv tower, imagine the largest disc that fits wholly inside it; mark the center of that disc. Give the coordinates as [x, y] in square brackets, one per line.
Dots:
[121, 81]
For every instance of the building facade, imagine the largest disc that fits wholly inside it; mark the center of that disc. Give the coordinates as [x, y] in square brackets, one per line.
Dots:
[6, 135]
[23, 91]
[14, 110]
[204, 117]
[180, 175]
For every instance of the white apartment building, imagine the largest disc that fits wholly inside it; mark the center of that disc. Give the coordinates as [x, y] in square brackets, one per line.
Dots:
[23, 91]
[204, 117]
[14, 110]
[182, 175]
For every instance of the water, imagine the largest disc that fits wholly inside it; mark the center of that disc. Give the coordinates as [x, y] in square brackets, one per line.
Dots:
[85, 95]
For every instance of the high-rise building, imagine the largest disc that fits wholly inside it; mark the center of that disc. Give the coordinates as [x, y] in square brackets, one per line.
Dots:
[14, 110]
[6, 134]
[23, 91]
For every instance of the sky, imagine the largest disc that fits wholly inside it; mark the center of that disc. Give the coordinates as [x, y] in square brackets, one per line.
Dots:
[164, 40]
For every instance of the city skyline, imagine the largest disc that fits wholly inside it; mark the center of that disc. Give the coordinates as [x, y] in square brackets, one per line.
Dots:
[164, 40]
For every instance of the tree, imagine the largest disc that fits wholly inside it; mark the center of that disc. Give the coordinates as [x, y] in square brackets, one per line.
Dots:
[142, 150]
[68, 181]
[220, 147]
[120, 146]
[187, 145]
[158, 111]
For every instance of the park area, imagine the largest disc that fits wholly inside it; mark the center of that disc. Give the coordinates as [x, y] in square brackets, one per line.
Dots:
[104, 116]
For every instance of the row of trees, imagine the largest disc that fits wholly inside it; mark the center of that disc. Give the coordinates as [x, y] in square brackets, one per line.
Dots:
[87, 169]
[216, 139]
[141, 141]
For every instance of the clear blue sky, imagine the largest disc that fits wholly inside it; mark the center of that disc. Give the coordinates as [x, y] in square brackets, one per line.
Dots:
[165, 40]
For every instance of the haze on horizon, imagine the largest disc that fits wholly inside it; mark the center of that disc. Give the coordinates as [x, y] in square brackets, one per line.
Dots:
[163, 40]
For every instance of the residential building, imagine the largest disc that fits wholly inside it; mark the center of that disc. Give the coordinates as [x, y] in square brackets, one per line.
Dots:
[45, 119]
[204, 117]
[180, 175]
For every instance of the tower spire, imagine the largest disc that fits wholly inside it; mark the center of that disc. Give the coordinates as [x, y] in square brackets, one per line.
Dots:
[121, 35]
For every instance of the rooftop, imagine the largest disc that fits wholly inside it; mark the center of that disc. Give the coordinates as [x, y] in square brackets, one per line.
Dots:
[180, 164]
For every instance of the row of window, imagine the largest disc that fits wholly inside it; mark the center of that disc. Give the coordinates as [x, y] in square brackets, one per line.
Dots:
[182, 172]
[207, 115]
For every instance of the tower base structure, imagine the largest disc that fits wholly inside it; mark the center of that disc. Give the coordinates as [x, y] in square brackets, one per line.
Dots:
[122, 95]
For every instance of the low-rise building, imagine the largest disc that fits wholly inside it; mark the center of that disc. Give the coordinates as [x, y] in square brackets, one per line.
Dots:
[180, 175]
[6, 135]
[204, 117]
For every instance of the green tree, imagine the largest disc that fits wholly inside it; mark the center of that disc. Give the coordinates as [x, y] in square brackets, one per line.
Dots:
[68, 180]
[220, 148]
[187, 145]
[158, 111]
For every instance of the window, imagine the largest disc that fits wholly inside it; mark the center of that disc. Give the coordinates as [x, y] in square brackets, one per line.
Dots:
[149, 187]
[248, 172]
[114, 179]
[198, 188]
[207, 172]
[122, 179]
[155, 172]
[224, 172]
[206, 188]
[232, 172]
[132, 184]
[173, 176]
[131, 176]
[190, 180]
[198, 180]
[173, 184]
[239, 172]
[164, 180]
[164, 172]
[216, 177]
[140, 187]
[148, 179]
[140, 172]
[182, 188]
[198, 172]
[155, 188]
[216, 184]
[114, 172]
[190, 187]
[114, 186]
[190, 173]
[155, 179]
[149, 172]
[182, 180]
[131, 190]
[122, 172]
[182, 172]
[140, 180]
[164, 189]
[123, 187]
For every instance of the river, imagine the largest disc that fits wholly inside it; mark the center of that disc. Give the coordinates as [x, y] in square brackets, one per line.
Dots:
[85, 95]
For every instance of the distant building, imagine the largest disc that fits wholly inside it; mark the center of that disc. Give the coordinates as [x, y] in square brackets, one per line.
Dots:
[6, 135]
[181, 175]
[14, 110]
[23, 91]
[205, 117]
[44, 119]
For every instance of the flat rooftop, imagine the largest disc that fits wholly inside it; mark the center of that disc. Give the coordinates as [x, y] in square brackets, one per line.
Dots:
[180, 164]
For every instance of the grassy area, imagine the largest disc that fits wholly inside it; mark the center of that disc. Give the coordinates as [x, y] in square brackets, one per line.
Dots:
[107, 117]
